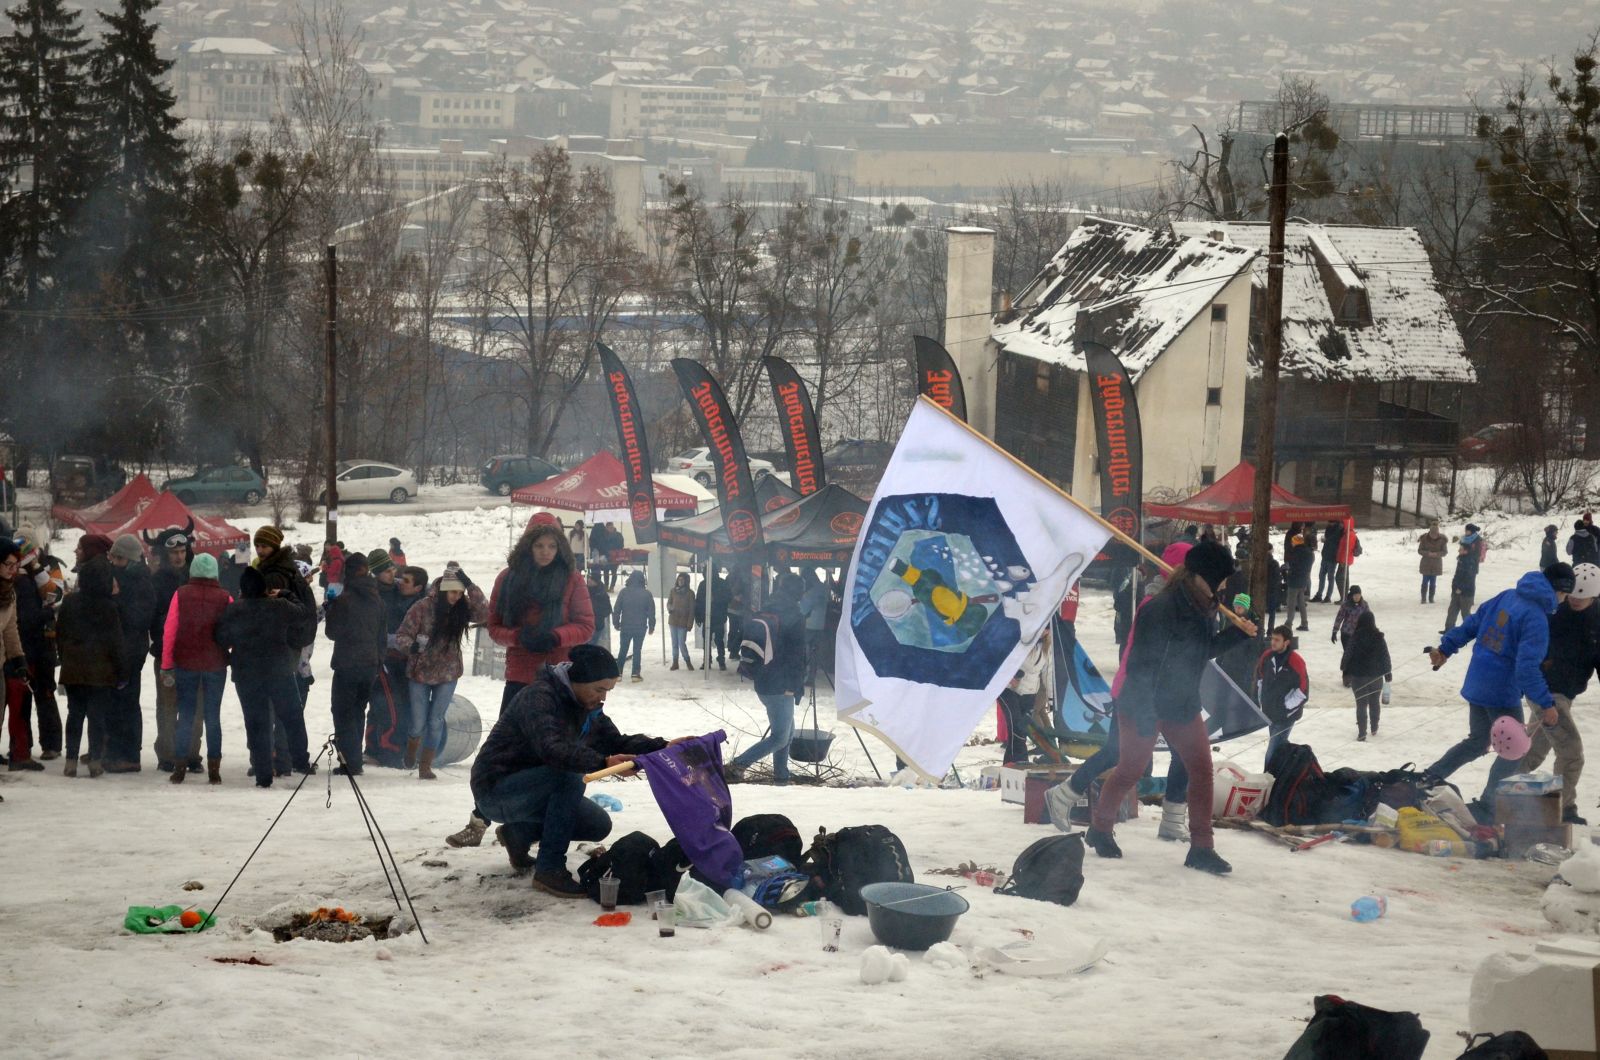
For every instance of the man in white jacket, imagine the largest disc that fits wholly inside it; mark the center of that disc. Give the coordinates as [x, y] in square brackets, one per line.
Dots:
[1016, 701]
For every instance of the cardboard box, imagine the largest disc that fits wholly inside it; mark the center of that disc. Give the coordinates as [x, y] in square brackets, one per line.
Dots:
[1529, 784]
[1013, 785]
[1530, 819]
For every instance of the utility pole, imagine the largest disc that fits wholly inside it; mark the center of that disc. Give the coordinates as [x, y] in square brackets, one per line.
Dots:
[1271, 356]
[330, 398]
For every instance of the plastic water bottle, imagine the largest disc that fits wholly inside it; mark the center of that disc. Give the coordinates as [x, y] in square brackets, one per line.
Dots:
[1367, 909]
[1442, 848]
[610, 803]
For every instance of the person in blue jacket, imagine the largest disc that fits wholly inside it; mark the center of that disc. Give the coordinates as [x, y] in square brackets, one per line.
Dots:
[1511, 633]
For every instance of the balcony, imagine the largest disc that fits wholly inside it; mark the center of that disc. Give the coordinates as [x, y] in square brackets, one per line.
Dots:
[1400, 432]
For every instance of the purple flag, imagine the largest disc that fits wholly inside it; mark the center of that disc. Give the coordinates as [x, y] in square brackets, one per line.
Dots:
[686, 780]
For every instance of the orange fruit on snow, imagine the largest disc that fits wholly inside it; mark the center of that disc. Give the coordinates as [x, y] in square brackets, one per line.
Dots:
[189, 919]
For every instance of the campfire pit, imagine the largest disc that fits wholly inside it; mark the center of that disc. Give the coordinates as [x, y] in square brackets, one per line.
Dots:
[331, 925]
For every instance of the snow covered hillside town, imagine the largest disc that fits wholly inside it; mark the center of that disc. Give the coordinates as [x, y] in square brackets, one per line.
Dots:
[811, 529]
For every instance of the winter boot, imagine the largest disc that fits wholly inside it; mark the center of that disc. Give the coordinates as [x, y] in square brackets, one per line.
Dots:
[687, 665]
[471, 835]
[516, 848]
[1060, 801]
[425, 765]
[1174, 821]
[411, 751]
[179, 771]
[558, 882]
[70, 767]
[95, 768]
[674, 665]
[1570, 816]
[18, 765]
[214, 770]
[1102, 843]
[1207, 860]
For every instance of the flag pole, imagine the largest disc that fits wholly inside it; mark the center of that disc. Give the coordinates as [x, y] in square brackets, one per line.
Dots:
[1104, 524]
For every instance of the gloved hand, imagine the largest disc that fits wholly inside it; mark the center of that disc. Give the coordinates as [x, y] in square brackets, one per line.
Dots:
[168, 679]
[332, 591]
[538, 643]
[466, 581]
[1333, 637]
[420, 644]
[393, 641]
[17, 668]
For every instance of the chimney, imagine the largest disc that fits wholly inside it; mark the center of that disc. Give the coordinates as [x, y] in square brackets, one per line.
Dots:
[968, 306]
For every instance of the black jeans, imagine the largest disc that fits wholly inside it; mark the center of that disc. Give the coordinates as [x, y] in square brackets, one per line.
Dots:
[389, 714]
[1367, 707]
[270, 700]
[125, 720]
[88, 703]
[351, 690]
[1018, 714]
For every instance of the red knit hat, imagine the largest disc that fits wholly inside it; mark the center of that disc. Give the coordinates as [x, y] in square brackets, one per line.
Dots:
[94, 545]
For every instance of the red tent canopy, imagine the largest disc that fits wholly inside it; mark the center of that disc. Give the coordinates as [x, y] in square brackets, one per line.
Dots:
[211, 535]
[598, 488]
[115, 510]
[1230, 500]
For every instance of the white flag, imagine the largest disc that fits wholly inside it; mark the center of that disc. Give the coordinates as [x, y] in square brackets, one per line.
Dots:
[964, 557]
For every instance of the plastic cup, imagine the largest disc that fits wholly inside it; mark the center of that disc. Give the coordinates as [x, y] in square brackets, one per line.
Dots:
[608, 892]
[653, 900]
[832, 931]
[666, 915]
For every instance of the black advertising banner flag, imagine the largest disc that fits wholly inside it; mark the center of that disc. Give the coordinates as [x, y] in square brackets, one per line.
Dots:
[937, 377]
[635, 447]
[798, 419]
[1119, 440]
[741, 513]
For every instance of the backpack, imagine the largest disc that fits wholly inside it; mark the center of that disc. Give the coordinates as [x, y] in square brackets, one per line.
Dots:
[633, 861]
[303, 633]
[757, 637]
[1050, 870]
[670, 863]
[764, 834]
[1298, 786]
[1344, 1030]
[1401, 787]
[1512, 1045]
[1349, 795]
[842, 862]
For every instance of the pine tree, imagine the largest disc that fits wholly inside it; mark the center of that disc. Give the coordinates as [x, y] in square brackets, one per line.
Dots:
[44, 121]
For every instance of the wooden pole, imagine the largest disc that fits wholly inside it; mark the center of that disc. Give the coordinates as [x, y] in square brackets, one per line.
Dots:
[624, 769]
[330, 397]
[1070, 499]
[1271, 358]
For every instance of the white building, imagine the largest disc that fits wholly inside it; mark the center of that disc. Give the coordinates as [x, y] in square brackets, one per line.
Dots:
[228, 79]
[659, 108]
[462, 111]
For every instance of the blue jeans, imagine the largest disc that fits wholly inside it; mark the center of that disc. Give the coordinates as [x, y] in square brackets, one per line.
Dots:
[1328, 579]
[192, 684]
[1430, 586]
[634, 637]
[1277, 736]
[428, 704]
[602, 636]
[1479, 721]
[680, 646]
[543, 805]
[780, 715]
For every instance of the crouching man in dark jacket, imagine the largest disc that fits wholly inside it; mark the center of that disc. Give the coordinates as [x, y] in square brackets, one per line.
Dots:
[529, 774]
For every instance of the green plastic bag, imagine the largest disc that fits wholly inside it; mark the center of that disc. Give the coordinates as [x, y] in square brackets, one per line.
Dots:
[161, 920]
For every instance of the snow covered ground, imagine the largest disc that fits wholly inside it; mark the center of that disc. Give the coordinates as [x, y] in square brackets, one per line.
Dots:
[1224, 967]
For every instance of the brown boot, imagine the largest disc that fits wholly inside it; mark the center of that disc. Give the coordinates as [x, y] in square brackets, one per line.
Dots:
[688, 665]
[179, 770]
[411, 751]
[675, 664]
[425, 765]
[214, 770]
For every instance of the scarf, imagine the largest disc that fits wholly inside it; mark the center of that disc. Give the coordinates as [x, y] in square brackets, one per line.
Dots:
[529, 585]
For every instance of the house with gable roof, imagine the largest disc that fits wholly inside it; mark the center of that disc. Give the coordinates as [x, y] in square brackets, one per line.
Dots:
[1373, 363]
[1175, 309]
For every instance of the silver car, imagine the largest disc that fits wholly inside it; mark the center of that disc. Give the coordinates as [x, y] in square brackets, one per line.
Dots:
[697, 463]
[367, 480]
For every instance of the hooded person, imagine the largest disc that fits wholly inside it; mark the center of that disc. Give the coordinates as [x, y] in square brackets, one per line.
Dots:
[194, 664]
[1299, 560]
[1510, 636]
[1174, 637]
[529, 774]
[1464, 582]
[257, 631]
[600, 603]
[1433, 546]
[1350, 611]
[1547, 547]
[1571, 658]
[1366, 670]
[93, 660]
[136, 603]
[635, 617]
[356, 624]
[1583, 546]
[174, 554]
[781, 681]
[539, 611]
[431, 638]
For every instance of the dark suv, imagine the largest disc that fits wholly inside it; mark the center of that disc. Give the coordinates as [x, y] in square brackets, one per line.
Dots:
[856, 464]
[502, 474]
[79, 480]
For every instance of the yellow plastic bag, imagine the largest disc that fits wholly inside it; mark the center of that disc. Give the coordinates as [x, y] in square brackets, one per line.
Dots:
[1419, 827]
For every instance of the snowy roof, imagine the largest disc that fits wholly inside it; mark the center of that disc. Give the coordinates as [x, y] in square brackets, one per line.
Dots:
[232, 46]
[1143, 287]
[1394, 325]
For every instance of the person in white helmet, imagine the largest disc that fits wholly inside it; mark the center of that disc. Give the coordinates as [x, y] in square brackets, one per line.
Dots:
[1573, 655]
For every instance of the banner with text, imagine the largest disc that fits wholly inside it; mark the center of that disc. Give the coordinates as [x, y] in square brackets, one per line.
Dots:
[798, 419]
[1118, 439]
[741, 514]
[937, 378]
[634, 445]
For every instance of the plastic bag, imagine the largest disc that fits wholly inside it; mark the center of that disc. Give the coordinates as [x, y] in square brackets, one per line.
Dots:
[161, 920]
[699, 906]
[1387, 686]
[1418, 828]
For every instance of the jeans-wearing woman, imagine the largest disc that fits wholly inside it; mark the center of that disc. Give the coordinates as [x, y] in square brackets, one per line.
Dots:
[432, 632]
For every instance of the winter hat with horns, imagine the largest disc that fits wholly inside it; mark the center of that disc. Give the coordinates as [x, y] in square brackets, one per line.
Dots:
[172, 538]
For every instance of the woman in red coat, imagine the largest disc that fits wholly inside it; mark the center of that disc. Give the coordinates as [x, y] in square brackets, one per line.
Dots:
[539, 610]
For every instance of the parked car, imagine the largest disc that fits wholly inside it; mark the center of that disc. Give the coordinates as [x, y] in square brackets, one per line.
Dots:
[857, 464]
[697, 463]
[502, 474]
[219, 484]
[79, 480]
[366, 480]
[1495, 441]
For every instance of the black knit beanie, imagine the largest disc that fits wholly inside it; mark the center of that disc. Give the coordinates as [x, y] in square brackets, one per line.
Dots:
[591, 662]
[1211, 562]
